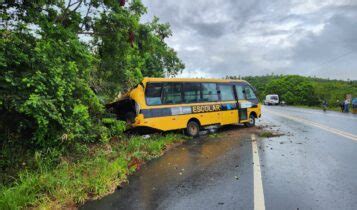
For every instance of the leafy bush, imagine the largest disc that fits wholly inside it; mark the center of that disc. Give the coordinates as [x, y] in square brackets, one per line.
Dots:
[293, 90]
[116, 127]
[46, 89]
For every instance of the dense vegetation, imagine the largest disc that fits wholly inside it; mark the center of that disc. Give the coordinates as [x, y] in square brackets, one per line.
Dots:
[60, 62]
[300, 90]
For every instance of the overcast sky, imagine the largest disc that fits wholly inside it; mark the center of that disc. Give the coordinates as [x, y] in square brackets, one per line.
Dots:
[215, 38]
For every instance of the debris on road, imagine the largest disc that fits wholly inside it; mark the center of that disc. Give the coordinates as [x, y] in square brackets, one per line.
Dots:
[269, 134]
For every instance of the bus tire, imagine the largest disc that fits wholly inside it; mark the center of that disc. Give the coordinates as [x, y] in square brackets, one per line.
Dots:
[193, 129]
[251, 122]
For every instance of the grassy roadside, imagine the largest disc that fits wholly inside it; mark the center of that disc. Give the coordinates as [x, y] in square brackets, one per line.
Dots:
[97, 173]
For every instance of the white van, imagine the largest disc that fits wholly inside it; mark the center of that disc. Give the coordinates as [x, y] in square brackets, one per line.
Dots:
[271, 99]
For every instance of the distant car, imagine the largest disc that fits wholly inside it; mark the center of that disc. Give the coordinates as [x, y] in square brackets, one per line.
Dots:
[271, 99]
[283, 103]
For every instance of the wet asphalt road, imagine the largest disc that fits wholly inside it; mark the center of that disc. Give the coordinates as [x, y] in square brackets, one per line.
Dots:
[312, 166]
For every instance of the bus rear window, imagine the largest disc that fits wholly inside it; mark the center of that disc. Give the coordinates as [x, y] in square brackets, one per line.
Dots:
[153, 94]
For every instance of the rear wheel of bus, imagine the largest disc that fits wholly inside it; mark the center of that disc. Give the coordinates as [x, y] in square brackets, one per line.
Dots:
[193, 128]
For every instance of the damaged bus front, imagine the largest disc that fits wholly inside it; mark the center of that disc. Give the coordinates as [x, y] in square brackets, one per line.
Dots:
[127, 107]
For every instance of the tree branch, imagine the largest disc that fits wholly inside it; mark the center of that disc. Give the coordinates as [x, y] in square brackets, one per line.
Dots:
[69, 4]
[80, 3]
[87, 13]
[86, 32]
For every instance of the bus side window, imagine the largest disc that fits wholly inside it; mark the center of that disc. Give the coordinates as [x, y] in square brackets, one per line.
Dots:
[227, 93]
[153, 93]
[249, 93]
[172, 93]
[192, 92]
[240, 91]
[209, 92]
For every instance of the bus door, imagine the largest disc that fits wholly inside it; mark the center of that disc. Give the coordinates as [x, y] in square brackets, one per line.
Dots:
[228, 104]
[242, 104]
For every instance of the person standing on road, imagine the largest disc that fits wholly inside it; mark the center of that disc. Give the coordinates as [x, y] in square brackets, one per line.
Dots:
[346, 107]
[324, 105]
[342, 105]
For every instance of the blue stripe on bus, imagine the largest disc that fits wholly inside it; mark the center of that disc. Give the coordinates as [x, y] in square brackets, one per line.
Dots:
[182, 110]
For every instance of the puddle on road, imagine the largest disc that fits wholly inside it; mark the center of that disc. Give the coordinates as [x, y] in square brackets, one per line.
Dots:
[160, 176]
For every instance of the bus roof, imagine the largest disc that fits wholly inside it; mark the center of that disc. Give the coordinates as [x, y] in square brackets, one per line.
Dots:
[151, 79]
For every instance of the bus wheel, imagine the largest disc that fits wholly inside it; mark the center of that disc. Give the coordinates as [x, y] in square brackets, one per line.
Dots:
[251, 122]
[193, 129]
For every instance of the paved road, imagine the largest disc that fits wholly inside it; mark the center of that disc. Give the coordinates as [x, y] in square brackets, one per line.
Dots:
[312, 166]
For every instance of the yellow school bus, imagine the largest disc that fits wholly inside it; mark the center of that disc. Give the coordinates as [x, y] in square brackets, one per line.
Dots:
[190, 104]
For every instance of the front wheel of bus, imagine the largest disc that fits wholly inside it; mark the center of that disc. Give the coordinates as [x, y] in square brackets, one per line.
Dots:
[130, 117]
[193, 129]
[251, 122]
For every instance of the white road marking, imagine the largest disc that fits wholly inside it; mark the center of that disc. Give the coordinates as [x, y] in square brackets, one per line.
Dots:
[318, 125]
[259, 203]
[328, 113]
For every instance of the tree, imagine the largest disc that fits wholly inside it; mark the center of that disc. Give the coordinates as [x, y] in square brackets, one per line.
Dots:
[60, 59]
[128, 50]
[301, 90]
[44, 74]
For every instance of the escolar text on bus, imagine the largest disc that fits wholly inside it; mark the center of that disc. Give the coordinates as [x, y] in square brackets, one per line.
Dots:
[206, 108]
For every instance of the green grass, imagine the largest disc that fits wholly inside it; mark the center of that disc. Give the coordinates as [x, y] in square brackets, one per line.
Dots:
[214, 135]
[266, 134]
[96, 174]
[269, 134]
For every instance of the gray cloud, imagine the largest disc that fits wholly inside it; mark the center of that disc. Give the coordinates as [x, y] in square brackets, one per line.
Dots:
[235, 37]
